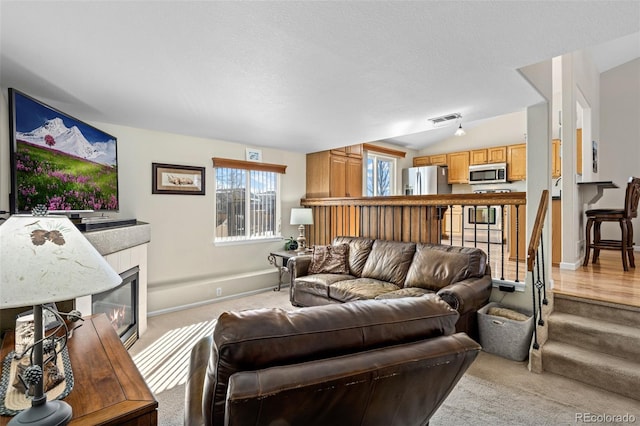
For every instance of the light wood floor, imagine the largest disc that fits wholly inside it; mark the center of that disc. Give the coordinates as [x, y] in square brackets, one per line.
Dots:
[604, 281]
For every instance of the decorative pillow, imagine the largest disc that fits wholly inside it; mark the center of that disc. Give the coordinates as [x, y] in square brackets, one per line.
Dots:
[330, 259]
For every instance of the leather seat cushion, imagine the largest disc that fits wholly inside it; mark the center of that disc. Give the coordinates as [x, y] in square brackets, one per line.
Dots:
[319, 283]
[360, 289]
[437, 266]
[405, 292]
[389, 261]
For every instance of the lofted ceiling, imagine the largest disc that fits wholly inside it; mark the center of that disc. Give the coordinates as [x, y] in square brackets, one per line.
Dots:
[298, 75]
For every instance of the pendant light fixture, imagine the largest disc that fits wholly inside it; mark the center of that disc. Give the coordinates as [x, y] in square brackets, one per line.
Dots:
[460, 131]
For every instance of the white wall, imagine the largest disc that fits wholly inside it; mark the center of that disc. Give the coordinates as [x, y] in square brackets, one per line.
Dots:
[580, 82]
[185, 267]
[619, 144]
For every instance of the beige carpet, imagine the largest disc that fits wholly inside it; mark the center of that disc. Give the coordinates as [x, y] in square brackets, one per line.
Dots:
[494, 391]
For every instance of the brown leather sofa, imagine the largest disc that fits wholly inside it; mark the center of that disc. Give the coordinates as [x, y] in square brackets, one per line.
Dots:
[370, 362]
[381, 269]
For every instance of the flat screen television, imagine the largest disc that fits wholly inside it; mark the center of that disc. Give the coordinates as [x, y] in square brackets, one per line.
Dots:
[59, 161]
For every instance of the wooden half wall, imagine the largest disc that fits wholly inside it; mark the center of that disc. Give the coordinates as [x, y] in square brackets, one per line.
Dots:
[416, 218]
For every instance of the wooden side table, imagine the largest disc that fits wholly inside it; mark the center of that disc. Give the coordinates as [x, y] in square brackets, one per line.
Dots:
[108, 388]
[284, 257]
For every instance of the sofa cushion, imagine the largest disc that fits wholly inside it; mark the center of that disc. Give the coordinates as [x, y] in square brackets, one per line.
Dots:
[332, 259]
[261, 338]
[359, 249]
[405, 292]
[389, 261]
[359, 289]
[437, 266]
[319, 283]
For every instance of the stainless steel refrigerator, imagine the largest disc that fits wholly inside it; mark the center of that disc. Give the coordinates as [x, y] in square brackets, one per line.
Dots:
[426, 180]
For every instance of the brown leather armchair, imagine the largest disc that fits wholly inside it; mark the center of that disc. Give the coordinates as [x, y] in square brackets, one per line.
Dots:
[370, 362]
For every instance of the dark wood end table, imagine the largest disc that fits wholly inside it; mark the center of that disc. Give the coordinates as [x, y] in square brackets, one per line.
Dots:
[108, 388]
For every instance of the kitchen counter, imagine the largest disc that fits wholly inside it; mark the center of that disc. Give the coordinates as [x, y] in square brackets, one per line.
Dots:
[592, 191]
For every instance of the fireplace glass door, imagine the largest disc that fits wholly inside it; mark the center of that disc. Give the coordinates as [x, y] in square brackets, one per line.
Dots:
[120, 305]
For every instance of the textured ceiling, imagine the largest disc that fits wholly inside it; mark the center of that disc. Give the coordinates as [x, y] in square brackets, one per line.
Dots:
[302, 76]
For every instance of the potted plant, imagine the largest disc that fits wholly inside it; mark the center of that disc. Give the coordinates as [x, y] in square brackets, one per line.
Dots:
[290, 244]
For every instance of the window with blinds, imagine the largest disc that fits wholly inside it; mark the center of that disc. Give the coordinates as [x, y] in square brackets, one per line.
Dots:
[247, 204]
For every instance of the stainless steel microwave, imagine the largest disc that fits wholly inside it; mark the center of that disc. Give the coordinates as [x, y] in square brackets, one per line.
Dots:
[488, 173]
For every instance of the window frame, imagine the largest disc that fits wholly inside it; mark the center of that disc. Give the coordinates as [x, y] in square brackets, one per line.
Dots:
[250, 166]
[374, 156]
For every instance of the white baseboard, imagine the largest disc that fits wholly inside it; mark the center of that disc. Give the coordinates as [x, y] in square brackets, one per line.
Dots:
[182, 294]
[207, 302]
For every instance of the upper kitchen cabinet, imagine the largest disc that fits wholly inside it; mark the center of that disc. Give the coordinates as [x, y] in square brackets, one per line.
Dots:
[430, 160]
[517, 162]
[335, 173]
[458, 163]
[496, 154]
[479, 156]
[438, 160]
[556, 160]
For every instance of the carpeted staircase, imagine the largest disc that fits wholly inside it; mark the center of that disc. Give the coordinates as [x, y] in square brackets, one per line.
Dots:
[597, 343]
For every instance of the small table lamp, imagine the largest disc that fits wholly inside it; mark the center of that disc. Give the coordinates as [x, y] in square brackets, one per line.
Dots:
[46, 259]
[302, 217]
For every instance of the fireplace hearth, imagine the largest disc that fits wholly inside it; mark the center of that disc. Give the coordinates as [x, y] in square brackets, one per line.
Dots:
[120, 305]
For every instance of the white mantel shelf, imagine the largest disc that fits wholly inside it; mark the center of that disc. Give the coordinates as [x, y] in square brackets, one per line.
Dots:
[112, 240]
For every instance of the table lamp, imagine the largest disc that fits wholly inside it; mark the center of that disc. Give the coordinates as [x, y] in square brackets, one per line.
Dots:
[46, 259]
[302, 217]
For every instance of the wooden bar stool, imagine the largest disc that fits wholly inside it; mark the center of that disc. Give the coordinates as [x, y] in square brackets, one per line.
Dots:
[623, 216]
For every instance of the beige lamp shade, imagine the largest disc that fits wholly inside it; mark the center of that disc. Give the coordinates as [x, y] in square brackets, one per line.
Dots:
[301, 216]
[46, 259]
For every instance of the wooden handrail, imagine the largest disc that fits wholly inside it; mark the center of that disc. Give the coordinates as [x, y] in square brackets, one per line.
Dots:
[494, 199]
[536, 234]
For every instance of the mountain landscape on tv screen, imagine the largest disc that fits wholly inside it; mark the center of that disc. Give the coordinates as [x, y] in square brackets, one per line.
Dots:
[58, 167]
[53, 134]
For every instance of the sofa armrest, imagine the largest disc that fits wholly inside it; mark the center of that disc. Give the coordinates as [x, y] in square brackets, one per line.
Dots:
[467, 295]
[298, 266]
[200, 355]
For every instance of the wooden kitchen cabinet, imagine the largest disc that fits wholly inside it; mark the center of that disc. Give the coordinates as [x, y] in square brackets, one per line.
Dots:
[452, 216]
[556, 159]
[458, 163]
[517, 162]
[335, 173]
[438, 160]
[579, 151]
[479, 156]
[423, 160]
[430, 160]
[518, 236]
[497, 154]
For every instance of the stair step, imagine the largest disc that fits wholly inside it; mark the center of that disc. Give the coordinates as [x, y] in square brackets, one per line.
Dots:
[596, 335]
[595, 309]
[608, 372]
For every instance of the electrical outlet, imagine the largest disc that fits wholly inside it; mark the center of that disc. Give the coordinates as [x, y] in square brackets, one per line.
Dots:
[218, 291]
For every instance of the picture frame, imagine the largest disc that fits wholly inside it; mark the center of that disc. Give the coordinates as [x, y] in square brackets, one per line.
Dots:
[177, 179]
[253, 154]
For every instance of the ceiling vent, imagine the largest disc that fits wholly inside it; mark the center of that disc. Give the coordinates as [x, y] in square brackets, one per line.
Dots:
[445, 119]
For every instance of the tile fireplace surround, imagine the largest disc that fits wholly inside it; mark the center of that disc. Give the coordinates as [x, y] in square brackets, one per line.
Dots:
[123, 248]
